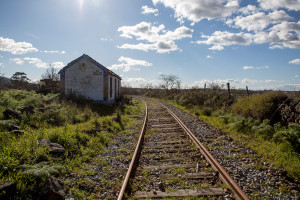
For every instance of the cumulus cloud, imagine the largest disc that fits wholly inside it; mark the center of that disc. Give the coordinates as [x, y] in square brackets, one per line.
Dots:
[18, 61]
[155, 37]
[258, 21]
[147, 10]
[219, 39]
[257, 68]
[35, 61]
[57, 65]
[275, 4]
[16, 48]
[196, 10]
[295, 61]
[128, 64]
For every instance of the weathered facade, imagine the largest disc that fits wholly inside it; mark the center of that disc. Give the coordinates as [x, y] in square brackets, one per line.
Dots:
[85, 77]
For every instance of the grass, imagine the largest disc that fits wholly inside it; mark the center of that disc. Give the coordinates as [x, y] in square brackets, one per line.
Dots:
[276, 144]
[82, 128]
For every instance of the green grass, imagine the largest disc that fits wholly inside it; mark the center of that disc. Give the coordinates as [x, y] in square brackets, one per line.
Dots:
[68, 123]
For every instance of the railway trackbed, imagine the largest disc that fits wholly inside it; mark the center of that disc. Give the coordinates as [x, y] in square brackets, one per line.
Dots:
[170, 162]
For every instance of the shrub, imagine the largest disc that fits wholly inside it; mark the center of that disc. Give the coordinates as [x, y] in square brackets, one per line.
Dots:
[291, 135]
[264, 129]
[259, 107]
[191, 98]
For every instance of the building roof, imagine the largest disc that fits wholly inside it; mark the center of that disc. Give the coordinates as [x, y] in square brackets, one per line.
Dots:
[106, 71]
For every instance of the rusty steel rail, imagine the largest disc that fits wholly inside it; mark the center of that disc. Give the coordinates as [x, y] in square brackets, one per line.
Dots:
[224, 176]
[134, 157]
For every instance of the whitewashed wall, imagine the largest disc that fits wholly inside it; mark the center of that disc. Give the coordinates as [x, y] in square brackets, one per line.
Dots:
[85, 79]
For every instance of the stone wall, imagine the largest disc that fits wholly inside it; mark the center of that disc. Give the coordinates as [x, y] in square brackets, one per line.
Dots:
[290, 112]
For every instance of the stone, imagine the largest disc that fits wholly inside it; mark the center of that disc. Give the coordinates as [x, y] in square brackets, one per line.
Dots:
[7, 190]
[54, 148]
[53, 189]
[10, 113]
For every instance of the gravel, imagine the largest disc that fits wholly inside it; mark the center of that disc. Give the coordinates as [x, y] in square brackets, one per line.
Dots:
[258, 179]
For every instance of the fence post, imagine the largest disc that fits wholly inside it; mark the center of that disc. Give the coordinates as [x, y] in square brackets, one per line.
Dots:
[228, 87]
[204, 87]
[247, 91]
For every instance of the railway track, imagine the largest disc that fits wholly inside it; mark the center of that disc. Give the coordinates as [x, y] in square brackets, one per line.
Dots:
[170, 162]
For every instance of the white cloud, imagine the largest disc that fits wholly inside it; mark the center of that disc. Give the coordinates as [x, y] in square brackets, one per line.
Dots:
[296, 76]
[37, 62]
[208, 56]
[9, 45]
[248, 67]
[275, 4]
[1, 65]
[106, 39]
[259, 21]
[220, 39]
[295, 61]
[46, 51]
[18, 61]
[147, 10]
[156, 37]
[196, 10]
[1, 56]
[128, 64]
[57, 65]
[134, 80]
[283, 35]
[257, 68]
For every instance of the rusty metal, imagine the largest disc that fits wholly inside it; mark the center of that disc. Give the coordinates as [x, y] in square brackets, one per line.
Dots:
[224, 176]
[134, 157]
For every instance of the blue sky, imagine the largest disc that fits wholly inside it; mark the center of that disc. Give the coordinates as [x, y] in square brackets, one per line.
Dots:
[246, 43]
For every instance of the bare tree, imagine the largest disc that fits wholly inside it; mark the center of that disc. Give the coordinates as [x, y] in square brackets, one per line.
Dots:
[51, 73]
[170, 82]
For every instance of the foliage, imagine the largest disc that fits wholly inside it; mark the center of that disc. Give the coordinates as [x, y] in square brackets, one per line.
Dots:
[19, 80]
[83, 129]
[260, 107]
[291, 135]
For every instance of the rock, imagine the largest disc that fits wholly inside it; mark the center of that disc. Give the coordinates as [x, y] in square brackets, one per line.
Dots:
[53, 189]
[27, 109]
[17, 132]
[54, 148]
[7, 190]
[10, 113]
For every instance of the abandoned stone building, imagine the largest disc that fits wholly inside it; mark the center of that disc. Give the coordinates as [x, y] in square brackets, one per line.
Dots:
[86, 78]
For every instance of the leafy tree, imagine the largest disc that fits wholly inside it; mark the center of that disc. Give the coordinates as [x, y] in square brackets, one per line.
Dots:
[51, 73]
[170, 82]
[20, 80]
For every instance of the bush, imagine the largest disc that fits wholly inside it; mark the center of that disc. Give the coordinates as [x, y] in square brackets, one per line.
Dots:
[259, 107]
[291, 135]
[191, 98]
[264, 129]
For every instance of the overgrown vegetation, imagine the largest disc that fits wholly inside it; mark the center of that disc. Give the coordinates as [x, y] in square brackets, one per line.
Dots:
[83, 129]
